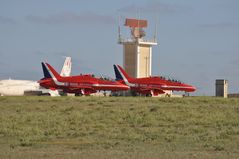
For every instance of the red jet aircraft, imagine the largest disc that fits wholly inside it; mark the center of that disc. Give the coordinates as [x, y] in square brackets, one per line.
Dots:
[150, 85]
[80, 85]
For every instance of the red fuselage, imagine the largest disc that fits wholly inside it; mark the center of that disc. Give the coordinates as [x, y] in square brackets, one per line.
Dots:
[157, 85]
[150, 85]
[84, 83]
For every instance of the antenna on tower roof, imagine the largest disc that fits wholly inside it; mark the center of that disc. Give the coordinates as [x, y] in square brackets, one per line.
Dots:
[156, 29]
[138, 16]
[119, 31]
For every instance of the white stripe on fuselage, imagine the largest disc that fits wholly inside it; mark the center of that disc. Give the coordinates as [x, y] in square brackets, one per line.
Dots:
[176, 87]
[106, 85]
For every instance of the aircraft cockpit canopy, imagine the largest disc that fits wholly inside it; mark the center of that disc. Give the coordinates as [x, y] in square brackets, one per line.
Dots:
[170, 79]
[103, 77]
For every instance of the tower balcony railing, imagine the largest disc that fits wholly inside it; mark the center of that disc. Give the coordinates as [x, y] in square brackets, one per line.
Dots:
[130, 40]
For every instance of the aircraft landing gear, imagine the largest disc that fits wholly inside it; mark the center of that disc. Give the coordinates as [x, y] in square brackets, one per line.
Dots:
[167, 95]
[78, 94]
[104, 93]
[186, 94]
[149, 95]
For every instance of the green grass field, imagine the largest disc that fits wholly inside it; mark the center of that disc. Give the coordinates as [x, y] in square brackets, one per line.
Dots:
[119, 127]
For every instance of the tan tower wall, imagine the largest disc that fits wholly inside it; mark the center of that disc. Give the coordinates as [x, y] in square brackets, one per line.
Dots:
[137, 59]
[130, 59]
[144, 61]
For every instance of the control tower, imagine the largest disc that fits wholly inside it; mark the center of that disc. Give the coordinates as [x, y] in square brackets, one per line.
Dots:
[137, 52]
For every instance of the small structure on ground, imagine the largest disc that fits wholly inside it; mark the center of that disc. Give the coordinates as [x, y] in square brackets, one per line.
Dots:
[221, 88]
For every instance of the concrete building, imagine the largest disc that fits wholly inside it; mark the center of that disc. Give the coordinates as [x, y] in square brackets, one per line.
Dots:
[137, 52]
[221, 88]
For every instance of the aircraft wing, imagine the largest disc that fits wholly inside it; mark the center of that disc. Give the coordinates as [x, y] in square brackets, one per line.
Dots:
[80, 87]
[86, 90]
[153, 90]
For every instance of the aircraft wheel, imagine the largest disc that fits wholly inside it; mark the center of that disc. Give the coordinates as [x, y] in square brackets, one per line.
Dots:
[149, 95]
[168, 95]
[78, 94]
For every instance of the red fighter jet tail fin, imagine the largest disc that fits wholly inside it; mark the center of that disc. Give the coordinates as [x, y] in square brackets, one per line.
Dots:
[52, 72]
[121, 74]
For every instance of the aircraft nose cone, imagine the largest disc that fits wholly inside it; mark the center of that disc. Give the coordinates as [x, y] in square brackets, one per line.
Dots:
[192, 89]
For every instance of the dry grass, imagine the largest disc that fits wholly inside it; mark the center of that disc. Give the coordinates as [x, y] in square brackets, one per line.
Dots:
[119, 127]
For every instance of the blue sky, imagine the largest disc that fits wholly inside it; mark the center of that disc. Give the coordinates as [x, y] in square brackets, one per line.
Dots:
[199, 40]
